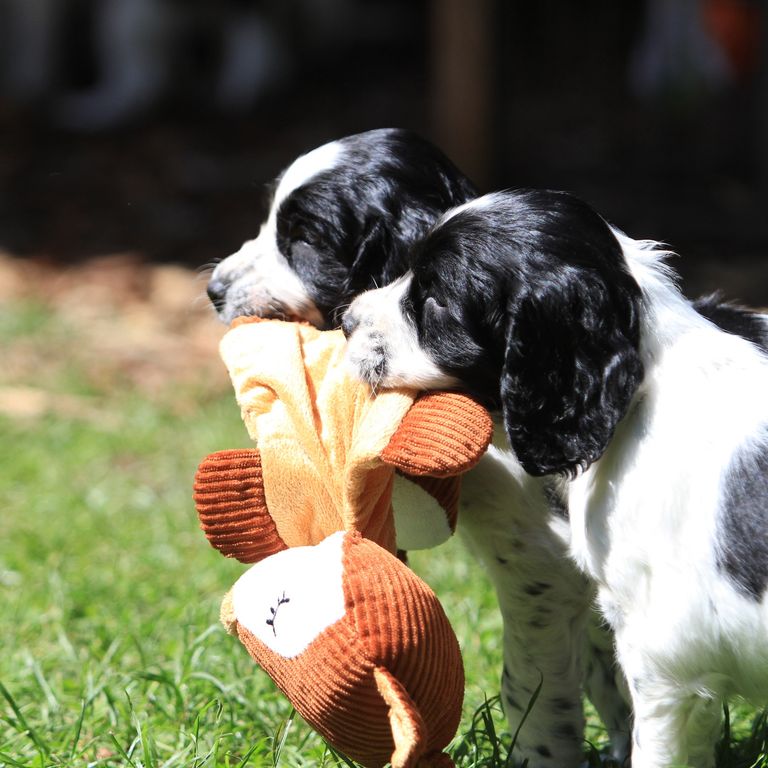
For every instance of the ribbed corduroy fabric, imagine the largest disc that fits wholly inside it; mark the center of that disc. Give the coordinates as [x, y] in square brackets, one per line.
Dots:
[328, 448]
[443, 434]
[394, 624]
[229, 496]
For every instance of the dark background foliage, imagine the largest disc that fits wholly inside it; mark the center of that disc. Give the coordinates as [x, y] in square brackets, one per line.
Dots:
[655, 111]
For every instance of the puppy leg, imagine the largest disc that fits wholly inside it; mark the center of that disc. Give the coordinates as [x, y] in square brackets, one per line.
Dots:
[705, 727]
[544, 603]
[606, 687]
[672, 726]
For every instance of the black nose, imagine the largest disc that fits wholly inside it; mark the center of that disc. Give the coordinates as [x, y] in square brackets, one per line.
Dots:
[348, 324]
[217, 292]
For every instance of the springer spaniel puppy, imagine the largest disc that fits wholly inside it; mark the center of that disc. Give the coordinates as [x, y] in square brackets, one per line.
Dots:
[637, 413]
[345, 218]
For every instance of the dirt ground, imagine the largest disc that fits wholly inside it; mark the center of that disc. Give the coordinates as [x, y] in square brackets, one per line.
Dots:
[121, 322]
[128, 323]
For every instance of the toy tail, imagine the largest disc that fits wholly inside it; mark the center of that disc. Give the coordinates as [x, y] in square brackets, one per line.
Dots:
[408, 728]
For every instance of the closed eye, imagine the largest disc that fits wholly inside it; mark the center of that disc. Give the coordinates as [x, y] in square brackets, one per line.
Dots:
[433, 305]
[299, 234]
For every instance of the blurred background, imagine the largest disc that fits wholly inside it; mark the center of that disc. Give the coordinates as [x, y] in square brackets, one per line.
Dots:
[151, 127]
[138, 139]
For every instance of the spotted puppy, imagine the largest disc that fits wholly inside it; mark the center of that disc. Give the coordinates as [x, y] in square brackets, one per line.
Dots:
[644, 418]
[345, 218]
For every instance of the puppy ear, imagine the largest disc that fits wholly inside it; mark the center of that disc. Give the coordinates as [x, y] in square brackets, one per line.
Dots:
[370, 242]
[372, 262]
[379, 253]
[570, 370]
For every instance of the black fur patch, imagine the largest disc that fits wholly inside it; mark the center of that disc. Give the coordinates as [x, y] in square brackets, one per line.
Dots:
[352, 227]
[557, 501]
[735, 319]
[566, 731]
[562, 705]
[743, 553]
[536, 588]
[526, 299]
[512, 703]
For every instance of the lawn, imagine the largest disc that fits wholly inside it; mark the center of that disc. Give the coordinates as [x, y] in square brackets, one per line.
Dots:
[109, 593]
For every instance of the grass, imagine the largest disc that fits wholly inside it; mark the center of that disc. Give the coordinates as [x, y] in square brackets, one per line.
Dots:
[112, 654]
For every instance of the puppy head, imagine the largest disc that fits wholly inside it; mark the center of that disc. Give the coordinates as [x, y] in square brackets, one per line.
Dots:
[342, 220]
[524, 299]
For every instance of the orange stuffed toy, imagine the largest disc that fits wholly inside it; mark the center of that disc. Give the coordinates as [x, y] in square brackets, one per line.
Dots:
[340, 480]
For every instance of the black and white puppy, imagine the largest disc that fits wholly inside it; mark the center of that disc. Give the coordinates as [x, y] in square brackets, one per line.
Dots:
[344, 218]
[620, 398]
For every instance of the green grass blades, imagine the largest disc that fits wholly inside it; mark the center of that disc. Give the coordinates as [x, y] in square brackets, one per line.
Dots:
[111, 650]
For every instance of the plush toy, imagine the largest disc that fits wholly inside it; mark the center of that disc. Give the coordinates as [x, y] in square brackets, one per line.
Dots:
[339, 481]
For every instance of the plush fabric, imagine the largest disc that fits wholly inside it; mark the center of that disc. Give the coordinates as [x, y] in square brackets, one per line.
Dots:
[357, 642]
[381, 684]
[328, 446]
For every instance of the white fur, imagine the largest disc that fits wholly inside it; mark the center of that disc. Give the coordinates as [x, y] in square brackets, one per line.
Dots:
[385, 335]
[476, 204]
[258, 274]
[645, 526]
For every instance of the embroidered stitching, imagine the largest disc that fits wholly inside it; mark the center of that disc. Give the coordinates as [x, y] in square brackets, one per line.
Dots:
[280, 601]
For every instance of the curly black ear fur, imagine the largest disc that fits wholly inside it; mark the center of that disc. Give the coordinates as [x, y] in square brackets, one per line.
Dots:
[571, 368]
[365, 214]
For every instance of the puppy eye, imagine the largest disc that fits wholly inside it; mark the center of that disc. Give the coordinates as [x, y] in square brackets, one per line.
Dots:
[434, 306]
[293, 231]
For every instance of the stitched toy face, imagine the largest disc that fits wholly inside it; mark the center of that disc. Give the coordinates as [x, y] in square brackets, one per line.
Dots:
[359, 644]
[288, 599]
[356, 641]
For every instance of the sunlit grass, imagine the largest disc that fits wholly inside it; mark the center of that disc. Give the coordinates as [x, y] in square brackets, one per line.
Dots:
[112, 654]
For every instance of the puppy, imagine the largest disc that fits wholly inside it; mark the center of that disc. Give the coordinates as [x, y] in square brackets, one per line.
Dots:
[345, 218]
[637, 415]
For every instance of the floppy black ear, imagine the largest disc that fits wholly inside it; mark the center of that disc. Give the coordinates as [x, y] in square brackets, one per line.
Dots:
[372, 250]
[379, 255]
[570, 370]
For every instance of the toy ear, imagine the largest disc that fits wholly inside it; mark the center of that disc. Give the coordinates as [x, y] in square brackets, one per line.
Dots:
[408, 729]
[443, 434]
[570, 371]
[230, 501]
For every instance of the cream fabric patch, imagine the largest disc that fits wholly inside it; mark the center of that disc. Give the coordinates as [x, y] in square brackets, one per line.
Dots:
[289, 598]
[420, 521]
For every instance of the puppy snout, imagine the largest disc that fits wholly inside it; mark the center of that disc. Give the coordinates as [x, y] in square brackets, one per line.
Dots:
[217, 292]
[348, 324]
